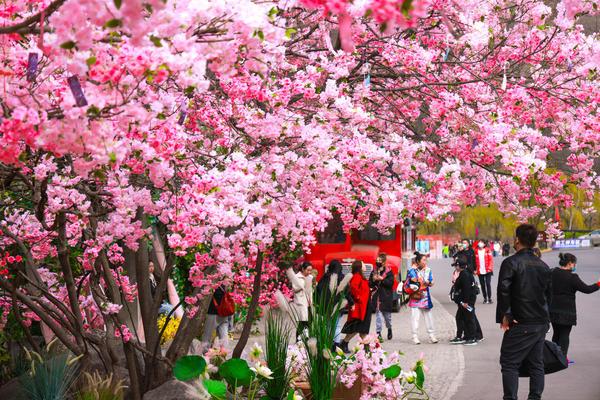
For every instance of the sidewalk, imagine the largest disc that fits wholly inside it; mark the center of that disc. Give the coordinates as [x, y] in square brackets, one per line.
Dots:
[445, 362]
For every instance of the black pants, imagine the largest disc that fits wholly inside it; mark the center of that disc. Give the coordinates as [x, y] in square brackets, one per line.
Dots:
[523, 342]
[468, 322]
[561, 336]
[485, 281]
[460, 325]
[478, 331]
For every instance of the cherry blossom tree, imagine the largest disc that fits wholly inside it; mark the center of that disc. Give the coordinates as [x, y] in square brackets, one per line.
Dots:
[230, 131]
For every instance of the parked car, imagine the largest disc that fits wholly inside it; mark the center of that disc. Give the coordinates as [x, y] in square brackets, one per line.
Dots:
[594, 237]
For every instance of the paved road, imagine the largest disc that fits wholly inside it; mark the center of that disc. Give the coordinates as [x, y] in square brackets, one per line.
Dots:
[482, 379]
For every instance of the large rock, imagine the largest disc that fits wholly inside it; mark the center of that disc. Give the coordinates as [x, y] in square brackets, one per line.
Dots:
[177, 390]
[13, 390]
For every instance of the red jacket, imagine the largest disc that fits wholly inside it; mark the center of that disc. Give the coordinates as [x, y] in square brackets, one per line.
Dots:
[361, 294]
[489, 260]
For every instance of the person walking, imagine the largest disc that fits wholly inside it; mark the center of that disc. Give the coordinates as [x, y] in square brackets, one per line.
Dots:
[446, 251]
[214, 322]
[563, 311]
[465, 295]
[524, 292]
[467, 251]
[460, 330]
[484, 262]
[420, 302]
[359, 314]
[330, 280]
[302, 286]
[496, 248]
[382, 283]
[505, 249]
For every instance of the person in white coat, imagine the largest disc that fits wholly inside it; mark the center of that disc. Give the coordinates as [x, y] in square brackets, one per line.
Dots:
[302, 285]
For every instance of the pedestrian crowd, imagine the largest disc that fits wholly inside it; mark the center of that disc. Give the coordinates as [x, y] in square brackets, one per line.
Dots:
[531, 297]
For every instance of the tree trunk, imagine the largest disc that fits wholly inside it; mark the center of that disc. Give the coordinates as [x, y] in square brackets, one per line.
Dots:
[189, 328]
[237, 352]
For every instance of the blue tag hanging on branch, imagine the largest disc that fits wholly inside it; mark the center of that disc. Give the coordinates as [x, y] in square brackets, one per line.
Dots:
[32, 66]
[75, 86]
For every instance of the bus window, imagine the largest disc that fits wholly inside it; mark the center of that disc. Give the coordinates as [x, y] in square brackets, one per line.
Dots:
[334, 233]
[372, 233]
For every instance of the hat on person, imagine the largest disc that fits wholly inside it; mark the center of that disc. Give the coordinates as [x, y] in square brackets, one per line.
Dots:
[460, 261]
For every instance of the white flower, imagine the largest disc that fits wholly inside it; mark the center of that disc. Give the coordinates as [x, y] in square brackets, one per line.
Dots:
[408, 376]
[256, 352]
[262, 370]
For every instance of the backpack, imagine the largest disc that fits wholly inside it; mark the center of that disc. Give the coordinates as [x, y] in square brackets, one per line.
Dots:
[415, 294]
[454, 293]
[226, 307]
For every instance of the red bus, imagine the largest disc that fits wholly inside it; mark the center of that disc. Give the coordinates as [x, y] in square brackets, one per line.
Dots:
[365, 245]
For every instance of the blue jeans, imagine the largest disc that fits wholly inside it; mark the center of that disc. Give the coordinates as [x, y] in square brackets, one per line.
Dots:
[383, 315]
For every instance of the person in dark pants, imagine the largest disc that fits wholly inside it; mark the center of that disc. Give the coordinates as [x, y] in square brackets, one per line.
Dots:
[359, 313]
[326, 293]
[484, 260]
[524, 293]
[563, 312]
[466, 250]
[465, 296]
[505, 249]
[381, 282]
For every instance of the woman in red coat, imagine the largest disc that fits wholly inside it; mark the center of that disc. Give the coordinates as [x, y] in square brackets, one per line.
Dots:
[484, 263]
[359, 314]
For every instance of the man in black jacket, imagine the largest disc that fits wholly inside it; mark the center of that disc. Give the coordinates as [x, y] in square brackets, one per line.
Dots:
[465, 295]
[382, 283]
[524, 293]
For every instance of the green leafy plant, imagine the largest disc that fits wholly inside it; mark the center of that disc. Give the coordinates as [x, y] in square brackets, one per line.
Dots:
[235, 377]
[189, 367]
[97, 387]
[321, 368]
[277, 340]
[50, 377]
[236, 372]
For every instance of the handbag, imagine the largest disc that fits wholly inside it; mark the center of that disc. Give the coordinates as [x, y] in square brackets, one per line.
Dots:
[476, 288]
[554, 360]
[226, 307]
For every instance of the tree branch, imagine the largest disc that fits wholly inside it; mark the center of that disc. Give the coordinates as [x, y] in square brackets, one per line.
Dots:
[18, 27]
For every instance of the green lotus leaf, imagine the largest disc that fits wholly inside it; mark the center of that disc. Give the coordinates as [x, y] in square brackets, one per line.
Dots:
[391, 372]
[236, 372]
[189, 367]
[217, 389]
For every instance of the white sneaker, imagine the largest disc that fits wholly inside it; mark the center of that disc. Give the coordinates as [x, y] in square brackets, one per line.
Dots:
[416, 340]
[433, 339]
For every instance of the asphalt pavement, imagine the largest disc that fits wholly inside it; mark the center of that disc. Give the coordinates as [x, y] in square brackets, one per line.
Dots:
[482, 379]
